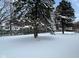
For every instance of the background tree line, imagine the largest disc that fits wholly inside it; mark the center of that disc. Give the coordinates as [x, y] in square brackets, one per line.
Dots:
[37, 14]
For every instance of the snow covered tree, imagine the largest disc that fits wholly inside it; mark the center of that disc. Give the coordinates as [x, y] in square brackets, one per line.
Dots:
[3, 16]
[66, 11]
[34, 12]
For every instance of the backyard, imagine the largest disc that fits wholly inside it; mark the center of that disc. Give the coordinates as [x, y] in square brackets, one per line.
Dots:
[45, 45]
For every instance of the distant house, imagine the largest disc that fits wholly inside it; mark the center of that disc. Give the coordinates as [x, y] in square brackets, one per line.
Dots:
[6, 26]
[68, 26]
[76, 26]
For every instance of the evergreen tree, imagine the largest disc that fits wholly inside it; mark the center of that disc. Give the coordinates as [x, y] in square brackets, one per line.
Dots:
[64, 9]
[35, 12]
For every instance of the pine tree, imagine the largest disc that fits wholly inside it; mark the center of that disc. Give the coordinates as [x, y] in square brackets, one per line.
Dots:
[65, 9]
[34, 11]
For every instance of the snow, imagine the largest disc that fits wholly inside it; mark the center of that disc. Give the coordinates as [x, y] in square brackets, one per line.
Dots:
[45, 46]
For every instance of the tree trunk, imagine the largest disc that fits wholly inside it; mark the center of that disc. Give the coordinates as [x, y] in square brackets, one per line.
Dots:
[62, 26]
[10, 28]
[1, 31]
[35, 31]
[35, 35]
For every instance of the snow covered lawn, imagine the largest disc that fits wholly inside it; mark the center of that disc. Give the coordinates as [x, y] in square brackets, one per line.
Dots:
[46, 45]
